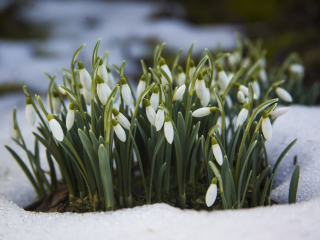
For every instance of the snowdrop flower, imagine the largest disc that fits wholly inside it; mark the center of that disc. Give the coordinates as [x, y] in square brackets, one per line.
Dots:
[62, 91]
[55, 128]
[102, 72]
[266, 126]
[87, 96]
[200, 86]
[15, 133]
[240, 96]
[206, 98]
[232, 59]
[126, 92]
[179, 93]
[111, 82]
[85, 77]
[141, 86]
[222, 78]
[216, 150]
[282, 94]
[118, 130]
[103, 91]
[168, 129]
[212, 193]
[263, 75]
[121, 118]
[70, 116]
[297, 69]
[205, 111]
[154, 99]
[192, 69]
[242, 117]
[165, 68]
[279, 112]
[246, 61]
[181, 76]
[56, 104]
[159, 120]
[245, 90]
[229, 101]
[30, 112]
[151, 114]
[255, 87]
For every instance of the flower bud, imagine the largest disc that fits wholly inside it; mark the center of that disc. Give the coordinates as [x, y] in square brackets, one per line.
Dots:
[168, 129]
[266, 126]
[212, 193]
[206, 98]
[56, 104]
[159, 120]
[179, 93]
[240, 96]
[84, 76]
[165, 68]
[30, 112]
[279, 112]
[222, 78]
[55, 128]
[121, 118]
[181, 76]
[111, 82]
[154, 99]
[216, 150]
[200, 86]
[119, 130]
[242, 117]
[70, 116]
[103, 91]
[102, 72]
[205, 111]
[151, 114]
[141, 86]
[192, 69]
[255, 87]
[283, 94]
[126, 92]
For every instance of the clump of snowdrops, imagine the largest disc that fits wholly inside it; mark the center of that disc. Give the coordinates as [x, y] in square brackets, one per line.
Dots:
[190, 136]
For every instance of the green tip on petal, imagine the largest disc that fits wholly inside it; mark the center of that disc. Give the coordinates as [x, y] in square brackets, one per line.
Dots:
[214, 141]
[200, 76]
[115, 112]
[156, 89]
[28, 100]
[50, 116]
[180, 70]
[108, 69]
[99, 80]
[219, 67]
[114, 122]
[142, 78]
[166, 118]
[214, 181]
[191, 63]
[99, 59]
[55, 93]
[146, 102]
[80, 65]
[123, 81]
[213, 109]
[237, 85]
[264, 114]
[71, 106]
[162, 62]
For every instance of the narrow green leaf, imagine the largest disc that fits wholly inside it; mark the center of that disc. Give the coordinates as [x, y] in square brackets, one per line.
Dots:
[293, 190]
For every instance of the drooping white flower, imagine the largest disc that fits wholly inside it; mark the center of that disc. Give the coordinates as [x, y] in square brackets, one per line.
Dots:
[245, 90]
[168, 129]
[85, 77]
[151, 114]
[283, 94]
[61, 90]
[55, 128]
[159, 120]
[212, 193]
[232, 59]
[102, 72]
[298, 69]
[141, 86]
[118, 130]
[192, 69]
[229, 101]
[30, 112]
[111, 82]
[279, 112]
[240, 96]
[103, 91]
[200, 86]
[242, 117]
[263, 75]
[206, 98]
[70, 116]
[121, 118]
[179, 93]
[56, 104]
[216, 150]
[87, 96]
[205, 111]
[165, 68]
[126, 92]
[266, 126]
[246, 61]
[222, 78]
[15, 133]
[181, 76]
[154, 99]
[255, 87]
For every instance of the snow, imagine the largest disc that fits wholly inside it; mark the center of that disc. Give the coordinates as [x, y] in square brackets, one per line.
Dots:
[160, 221]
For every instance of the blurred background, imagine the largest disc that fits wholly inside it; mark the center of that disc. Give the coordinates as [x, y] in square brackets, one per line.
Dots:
[43, 35]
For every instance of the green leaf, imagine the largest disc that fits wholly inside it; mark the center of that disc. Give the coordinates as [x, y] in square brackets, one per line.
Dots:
[293, 190]
[160, 177]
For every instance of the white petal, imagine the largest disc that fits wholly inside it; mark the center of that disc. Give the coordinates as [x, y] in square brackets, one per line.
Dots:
[206, 98]
[191, 72]
[15, 134]
[154, 100]
[216, 150]
[245, 90]
[167, 70]
[141, 87]
[229, 101]
[283, 94]
[56, 129]
[240, 96]
[70, 119]
[87, 96]
[62, 91]
[111, 82]
[120, 133]
[151, 114]
[263, 75]
[256, 88]
[126, 94]
[103, 92]
[297, 69]
[123, 121]
[279, 112]
[211, 195]
[200, 88]
[266, 128]
[85, 79]
[181, 78]
[102, 72]
[223, 80]
[242, 117]
[168, 132]
[56, 104]
[179, 93]
[159, 119]
[30, 114]
[201, 112]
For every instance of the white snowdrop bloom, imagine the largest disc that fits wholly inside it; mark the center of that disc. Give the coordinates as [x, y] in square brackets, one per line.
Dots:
[159, 120]
[119, 130]
[103, 91]
[255, 87]
[297, 69]
[15, 134]
[141, 86]
[126, 92]
[168, 129]
[232, 59]
[30, 112]
[263, 75]
[242, 117]
[87, 96]
[102, 72]
[165, 68]
[154, 99]
[229, 101]
[279, 112]
[211, 194]
[216, 150]
[200, 86]
[283, 94]
[121, 118]
[245, 90]
[246, 61]
[179, 93]
[222, 78]
[206, 98]
[56, 104]
[55, 128]
[84, 76]
[205, 111]
[240, 96]
[266, 126]
[181, 76]
[230, 76]
[192, 69]
[111, 83]
[151, 114]
[70, 116]
[62, 91]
